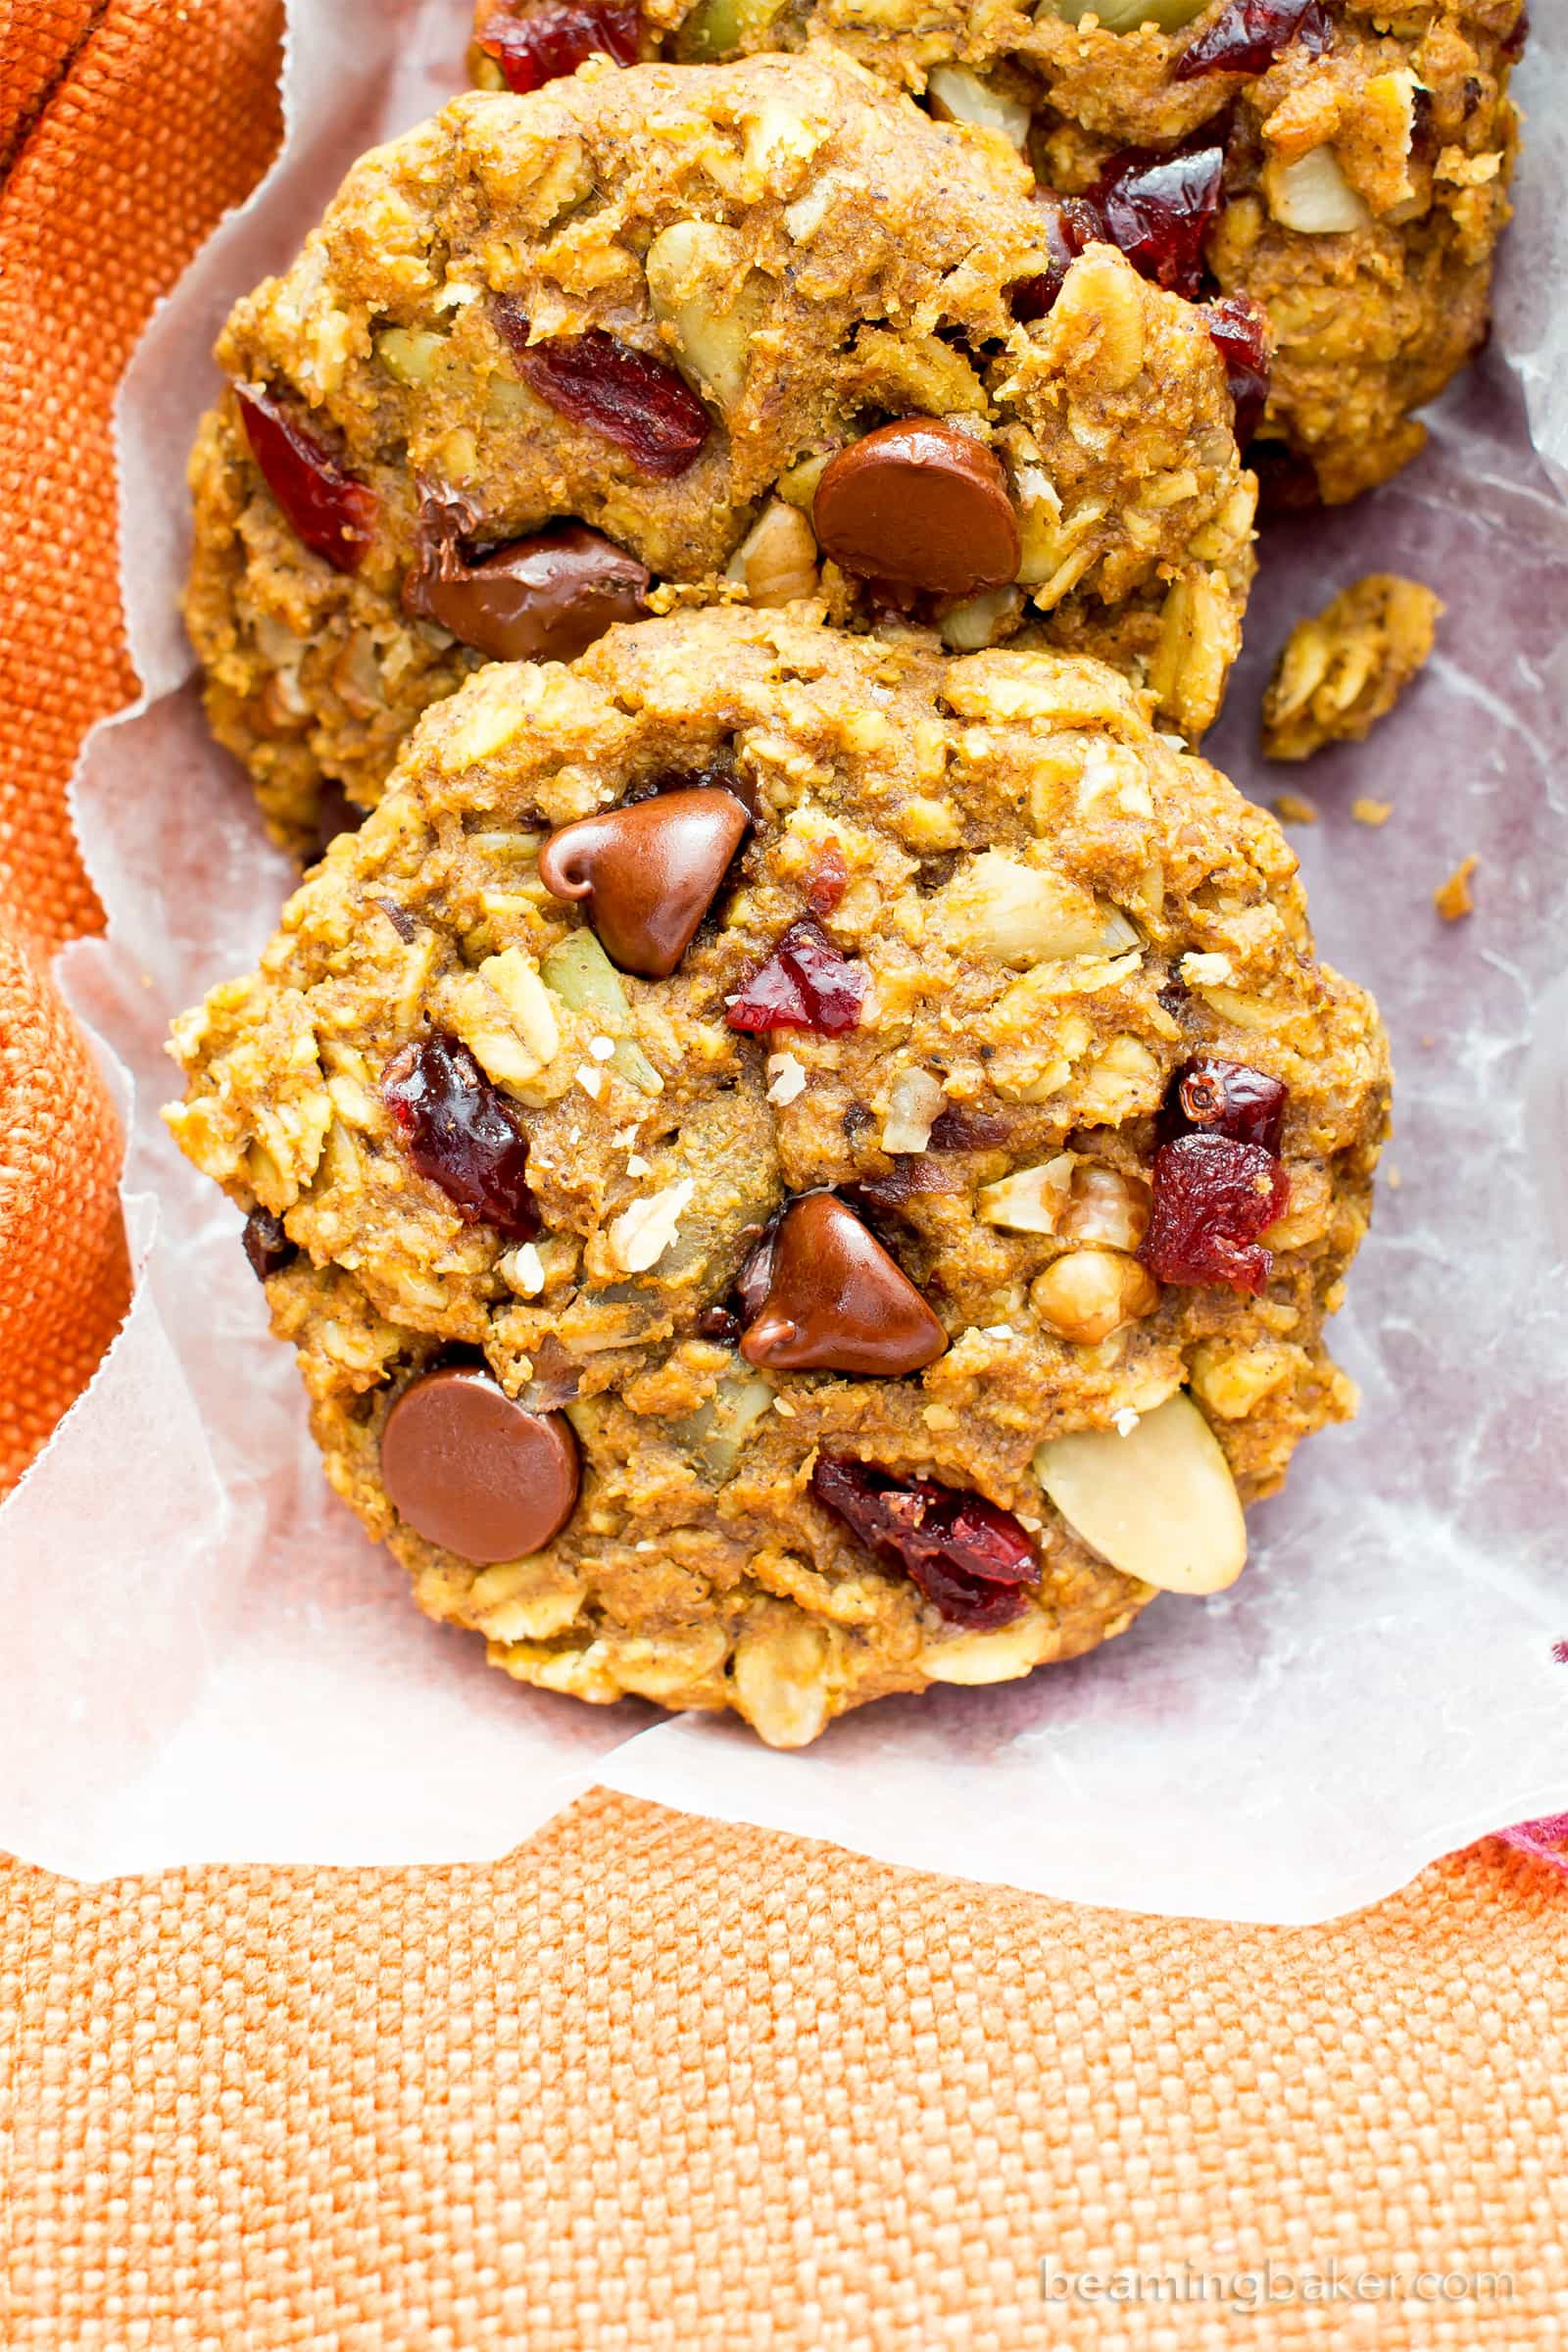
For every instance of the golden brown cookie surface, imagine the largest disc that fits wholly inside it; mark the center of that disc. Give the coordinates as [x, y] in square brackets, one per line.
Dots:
[894, 1290]
[547, 358]
[1344, 164]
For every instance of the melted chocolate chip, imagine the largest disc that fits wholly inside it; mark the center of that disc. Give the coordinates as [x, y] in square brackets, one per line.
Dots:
[835, 1301]
[648, 872]
[474, 1473]
[544, 599]
[920, 505]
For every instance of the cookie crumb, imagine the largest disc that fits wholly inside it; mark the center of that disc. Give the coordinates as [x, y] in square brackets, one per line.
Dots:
[1454, 900]
[1371, 813]
[1291, 809]
[1344, 668]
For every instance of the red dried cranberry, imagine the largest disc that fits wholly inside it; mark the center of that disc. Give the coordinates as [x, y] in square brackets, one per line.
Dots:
[554, 39]
[458, 1132]
[805, 984]
[1071, 224]
[829, 879]
[637, 401]
[1212, 1199]
[1239, 329]
[1211, 1097]
[967, 1555]
[1513, 43]
[1157, 210]
[332, 513]
[719, 1323]
[267, 1244]
[1250, 36]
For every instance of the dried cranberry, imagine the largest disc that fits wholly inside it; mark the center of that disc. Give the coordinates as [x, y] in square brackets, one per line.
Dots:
[267, 1244]
[719, 1323]
[1250, 36]
[805, 984]
[637, 401]
[829, 879]
[1212, 1199]
[1513, 43]
[1158, 209]
[967, 1555]
[1238, 329]
[459, 1133]
[965, 1131]
[332, 513]
[1071, 224]
[554, 39]
[1211, 1097]
[912, 1172]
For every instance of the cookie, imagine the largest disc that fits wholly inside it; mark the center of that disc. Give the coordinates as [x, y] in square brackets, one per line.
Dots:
[797, 1168]
[760, 331]
[1342, 162]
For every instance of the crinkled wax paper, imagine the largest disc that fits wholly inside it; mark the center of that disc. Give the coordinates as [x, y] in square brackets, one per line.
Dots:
[206, 1659]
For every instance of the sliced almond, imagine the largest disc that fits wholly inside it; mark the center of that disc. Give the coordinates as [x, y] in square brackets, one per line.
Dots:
[959, 96]
[999, 1656]
[1158, 1503]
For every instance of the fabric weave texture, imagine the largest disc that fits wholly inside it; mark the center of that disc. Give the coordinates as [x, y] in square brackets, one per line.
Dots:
[651, 2080]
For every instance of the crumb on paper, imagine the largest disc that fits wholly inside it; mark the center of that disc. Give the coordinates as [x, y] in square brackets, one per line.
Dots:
[1291, 809]
[1371, 813]
[1392, 1177]
[1454, 899]
[1344, 668]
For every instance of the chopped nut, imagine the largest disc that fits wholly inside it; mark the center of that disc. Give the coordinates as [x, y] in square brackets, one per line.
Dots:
[1089, 1293]
[1312, 195]
[701, 286]
[1454, 900]
[776, 562]
[1158, 1503]
[779, 1673]
[1099, 315]
[1345, 668]
[786, 1078]
[522, 1270]
[641, 1233]
[1106, 1206]
[1026, 914]
[957, 95]
[916, 1102]
[1031, 1199]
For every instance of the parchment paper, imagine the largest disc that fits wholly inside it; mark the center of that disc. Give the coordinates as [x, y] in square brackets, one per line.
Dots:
[206, 1661]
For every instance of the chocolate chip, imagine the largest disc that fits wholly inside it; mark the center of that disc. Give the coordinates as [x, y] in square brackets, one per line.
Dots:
[471, 1471]
[836, 1302]
[545, 598]
[921, 504]
[267, 1244]
[650, 872]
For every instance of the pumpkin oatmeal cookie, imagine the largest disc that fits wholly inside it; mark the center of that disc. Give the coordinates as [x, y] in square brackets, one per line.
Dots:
[1344, 163]
[797, 1168]
[760, 331]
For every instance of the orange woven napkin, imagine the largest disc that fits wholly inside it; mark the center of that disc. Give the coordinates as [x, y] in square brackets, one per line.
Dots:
[652, 2082]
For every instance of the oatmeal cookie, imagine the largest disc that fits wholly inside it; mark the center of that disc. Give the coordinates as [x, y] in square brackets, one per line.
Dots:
[797, 1167]
[1345, 667]
[1345, 163]
[761, 330]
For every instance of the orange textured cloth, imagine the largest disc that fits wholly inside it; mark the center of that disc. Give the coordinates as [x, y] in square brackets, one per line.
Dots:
[651, 2082]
